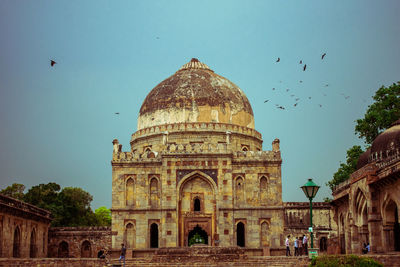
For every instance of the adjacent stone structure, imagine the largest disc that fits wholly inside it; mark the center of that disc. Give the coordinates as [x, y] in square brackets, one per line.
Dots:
[23, 229]
[195, 171]
[367, 205]
[78, 242]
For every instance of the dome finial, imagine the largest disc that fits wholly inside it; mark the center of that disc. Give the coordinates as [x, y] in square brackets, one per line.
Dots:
[194, 63]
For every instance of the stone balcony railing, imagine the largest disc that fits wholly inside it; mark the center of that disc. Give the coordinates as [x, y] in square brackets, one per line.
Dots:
[195, 149]
[195, 126]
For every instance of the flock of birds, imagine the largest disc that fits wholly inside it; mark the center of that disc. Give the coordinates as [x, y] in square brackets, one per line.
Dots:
[304, 67]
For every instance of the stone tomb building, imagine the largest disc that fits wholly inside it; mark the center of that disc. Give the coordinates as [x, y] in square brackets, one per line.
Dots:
[195, 171]
[367, 205]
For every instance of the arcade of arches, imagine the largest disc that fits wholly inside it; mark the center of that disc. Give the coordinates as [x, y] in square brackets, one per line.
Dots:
[367, 205]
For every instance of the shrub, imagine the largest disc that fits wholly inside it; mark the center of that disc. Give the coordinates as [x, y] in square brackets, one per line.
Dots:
[344, 261]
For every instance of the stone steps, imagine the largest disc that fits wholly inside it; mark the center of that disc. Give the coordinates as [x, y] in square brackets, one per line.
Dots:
[277, 261]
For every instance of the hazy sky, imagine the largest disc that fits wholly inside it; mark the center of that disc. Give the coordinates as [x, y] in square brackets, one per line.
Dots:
[57, 124]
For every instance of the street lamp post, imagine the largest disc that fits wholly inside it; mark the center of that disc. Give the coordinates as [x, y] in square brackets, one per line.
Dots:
[310, 189]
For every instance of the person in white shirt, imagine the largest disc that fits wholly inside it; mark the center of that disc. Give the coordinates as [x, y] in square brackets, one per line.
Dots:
[305, 245]
[287, 243]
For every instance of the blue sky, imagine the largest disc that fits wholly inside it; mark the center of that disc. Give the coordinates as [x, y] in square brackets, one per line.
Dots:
[57, 124]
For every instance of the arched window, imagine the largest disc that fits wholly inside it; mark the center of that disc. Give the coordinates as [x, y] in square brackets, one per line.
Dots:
[86, 249]
[154, 193]
[240, 235]
[17, 243]
[154, 235]
[265, 234]
[245, 148]
[130, 192]
[196, 204]
[32, 245]
[63, 250]
[130, 235]
[263, 190]
[239, 188]
[392, 226]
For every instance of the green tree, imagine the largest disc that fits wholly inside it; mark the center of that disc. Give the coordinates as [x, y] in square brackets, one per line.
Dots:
[103, 216]
[76, 209]
[381, 114]
[15, 191]
[345, 169]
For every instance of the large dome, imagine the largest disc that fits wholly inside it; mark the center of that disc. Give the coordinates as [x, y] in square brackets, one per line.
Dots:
[195, 94]
[387, 143]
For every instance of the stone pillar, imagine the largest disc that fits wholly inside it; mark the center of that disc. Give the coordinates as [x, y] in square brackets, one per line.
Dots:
[115, 145]
[355, 240]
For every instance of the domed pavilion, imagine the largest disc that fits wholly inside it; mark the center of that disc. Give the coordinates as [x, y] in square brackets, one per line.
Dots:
[195, 172]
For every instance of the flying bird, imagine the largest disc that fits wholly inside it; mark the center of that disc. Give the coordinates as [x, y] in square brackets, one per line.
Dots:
[301, 62]
[295, 104]
[52, 62]
[305, 66]
[116, 113]
[320, 105]
[309, 97]
[323, 55]
[279, 59]
[273, 89]
[300, 81]
[326, 85]
[266, 101]
[287, 90]
[281, 107]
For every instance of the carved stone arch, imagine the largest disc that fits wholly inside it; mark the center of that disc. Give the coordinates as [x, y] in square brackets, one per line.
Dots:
[33, 244]
[130, 235]
[240, 230]
[17, 242]
[265, 232]
[154, 191]
[86, 249]
[391, 223]
[239, 189]
[63, 249]
[360, 207]
[196, 174]
[263, 183]
[130, 191]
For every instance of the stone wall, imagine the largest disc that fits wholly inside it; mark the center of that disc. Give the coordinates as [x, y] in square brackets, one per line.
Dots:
[78, 242]
[297, 222]
[23, 229]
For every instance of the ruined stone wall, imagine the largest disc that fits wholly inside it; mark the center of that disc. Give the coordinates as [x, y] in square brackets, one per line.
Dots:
[78, 242]
[297, 222]
[23, 229]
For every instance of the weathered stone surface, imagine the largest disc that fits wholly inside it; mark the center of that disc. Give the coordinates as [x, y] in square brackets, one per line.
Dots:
[23, 229]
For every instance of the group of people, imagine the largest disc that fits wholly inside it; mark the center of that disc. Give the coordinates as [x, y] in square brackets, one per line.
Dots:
[103, 254]
[366, 248]
[300, 246]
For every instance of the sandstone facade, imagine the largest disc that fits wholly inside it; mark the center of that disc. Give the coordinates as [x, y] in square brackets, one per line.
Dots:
[196, 170]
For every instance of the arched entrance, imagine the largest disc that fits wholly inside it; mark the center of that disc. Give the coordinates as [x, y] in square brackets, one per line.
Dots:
[154, 235]
[392, 226]
[32, 247]
[197, 236]
[240, 238]
[86, 249]
[196, 208]
[323, 244]
[63, 250]
[17, 243]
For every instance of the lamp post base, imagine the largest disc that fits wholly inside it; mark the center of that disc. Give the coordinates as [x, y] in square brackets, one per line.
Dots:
[313, 252]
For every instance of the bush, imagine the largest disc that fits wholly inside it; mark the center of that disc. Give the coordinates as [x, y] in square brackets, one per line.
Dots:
[344, 261]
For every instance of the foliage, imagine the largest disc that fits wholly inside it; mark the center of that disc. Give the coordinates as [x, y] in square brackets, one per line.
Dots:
[69, 207]
[345, 169]
[381, 114]
[327, 199]
[196, 239]
[103, 216]
[15, 191]
[344, 261]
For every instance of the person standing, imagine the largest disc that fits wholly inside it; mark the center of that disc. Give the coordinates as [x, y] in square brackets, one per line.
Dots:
[287, 243]
[123, 253]
[300, 245]
[296, 247]
[305, 245]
